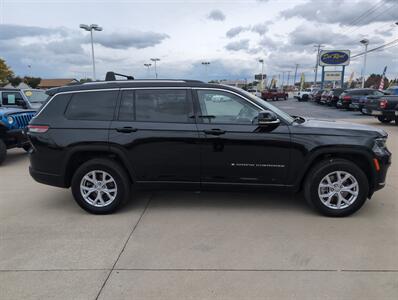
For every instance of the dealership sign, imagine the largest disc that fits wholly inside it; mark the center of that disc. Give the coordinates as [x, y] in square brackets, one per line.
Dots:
[334, 57]
[332, 75]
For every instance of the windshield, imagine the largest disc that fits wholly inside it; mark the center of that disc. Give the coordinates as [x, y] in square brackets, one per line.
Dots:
[392, 91]
[267, 105]
[36, 96]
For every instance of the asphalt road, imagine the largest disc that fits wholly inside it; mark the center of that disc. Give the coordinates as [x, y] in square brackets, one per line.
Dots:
[186, 245]
[314, 110]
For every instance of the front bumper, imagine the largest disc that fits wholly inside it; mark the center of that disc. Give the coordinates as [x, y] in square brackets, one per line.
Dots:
[16, 138]
[384, 162]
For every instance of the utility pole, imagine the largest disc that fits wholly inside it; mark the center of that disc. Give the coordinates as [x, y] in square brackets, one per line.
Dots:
[317, 61]
[295, 75]
[288, 77]
[156, 70]
[283, 78]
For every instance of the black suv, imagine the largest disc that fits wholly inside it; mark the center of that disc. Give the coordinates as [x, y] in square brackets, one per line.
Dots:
[100, 138]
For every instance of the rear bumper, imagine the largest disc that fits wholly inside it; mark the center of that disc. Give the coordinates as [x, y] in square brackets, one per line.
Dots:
[47, 178]
[376, 112]
[343, 104]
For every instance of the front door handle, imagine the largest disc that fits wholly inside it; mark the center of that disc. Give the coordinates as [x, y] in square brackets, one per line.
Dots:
[214, 131]
[126, 129]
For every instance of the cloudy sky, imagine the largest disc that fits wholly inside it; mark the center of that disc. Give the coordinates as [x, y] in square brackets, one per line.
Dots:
[231, 35]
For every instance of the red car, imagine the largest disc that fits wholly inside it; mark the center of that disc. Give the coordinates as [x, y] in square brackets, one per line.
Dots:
[274, 94]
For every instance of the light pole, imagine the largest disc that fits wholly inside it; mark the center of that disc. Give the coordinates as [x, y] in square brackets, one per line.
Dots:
[91, 28]
[317, 62]
[206, 64]
[364, 42]
[148, 66]
[261, 61]
[156, 70]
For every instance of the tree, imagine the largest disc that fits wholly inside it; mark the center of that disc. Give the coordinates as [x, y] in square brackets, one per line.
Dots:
[33, 82]
[83, 80]
[373, 81]
[15, 81]
[5, 71]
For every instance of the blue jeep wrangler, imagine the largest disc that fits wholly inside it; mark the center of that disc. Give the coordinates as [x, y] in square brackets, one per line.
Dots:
[13, 122]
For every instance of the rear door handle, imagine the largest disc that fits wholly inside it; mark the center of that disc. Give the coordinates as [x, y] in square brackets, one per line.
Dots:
[126, 129]
[214, 131]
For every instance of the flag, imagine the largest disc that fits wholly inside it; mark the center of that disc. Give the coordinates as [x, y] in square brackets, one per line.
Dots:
[350, 80]
[381, 86]
[302, 81]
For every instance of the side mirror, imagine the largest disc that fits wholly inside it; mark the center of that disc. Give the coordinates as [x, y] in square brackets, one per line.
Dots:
[20, 102]
[267, 118]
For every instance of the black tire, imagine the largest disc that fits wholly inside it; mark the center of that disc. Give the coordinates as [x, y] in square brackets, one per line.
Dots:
[396, 120]
[384, 119]
[27, 147]
[119, 175]
[319, 171]
[305, 97]
[3, 151]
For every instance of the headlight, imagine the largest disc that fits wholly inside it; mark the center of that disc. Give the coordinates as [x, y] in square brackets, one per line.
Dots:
[10, 120]
[379, 146]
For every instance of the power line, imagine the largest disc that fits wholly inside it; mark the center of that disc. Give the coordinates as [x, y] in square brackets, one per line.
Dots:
[375, 49]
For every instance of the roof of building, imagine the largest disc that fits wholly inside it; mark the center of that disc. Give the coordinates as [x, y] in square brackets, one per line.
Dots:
[48, 83]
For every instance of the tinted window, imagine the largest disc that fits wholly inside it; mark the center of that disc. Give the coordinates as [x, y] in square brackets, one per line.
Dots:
[156, 106]
[92, 106]
[223, 107]
[10, 98]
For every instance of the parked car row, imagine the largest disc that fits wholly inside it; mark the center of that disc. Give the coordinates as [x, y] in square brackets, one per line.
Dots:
[381, 104]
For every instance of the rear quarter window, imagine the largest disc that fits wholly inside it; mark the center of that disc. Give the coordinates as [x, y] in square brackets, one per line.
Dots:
[95, 106]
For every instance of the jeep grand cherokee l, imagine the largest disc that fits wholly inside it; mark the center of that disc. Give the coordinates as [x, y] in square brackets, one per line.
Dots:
[101, 138]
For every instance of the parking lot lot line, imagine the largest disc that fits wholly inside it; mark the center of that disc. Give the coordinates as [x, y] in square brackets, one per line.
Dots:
[125, 244]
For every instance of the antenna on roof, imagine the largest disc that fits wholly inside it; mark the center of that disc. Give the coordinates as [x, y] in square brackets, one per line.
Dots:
[111, 76]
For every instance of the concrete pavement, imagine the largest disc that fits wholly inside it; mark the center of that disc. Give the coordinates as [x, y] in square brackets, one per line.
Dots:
[185, 245]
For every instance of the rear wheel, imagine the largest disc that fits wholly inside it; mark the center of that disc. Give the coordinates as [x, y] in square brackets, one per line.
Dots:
[384, 119]
[3, 151]
[100, 186]
[336, 187]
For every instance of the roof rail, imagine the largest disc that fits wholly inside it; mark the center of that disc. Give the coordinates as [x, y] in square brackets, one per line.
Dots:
[111, 76]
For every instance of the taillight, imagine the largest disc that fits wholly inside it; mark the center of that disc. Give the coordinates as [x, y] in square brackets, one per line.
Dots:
[346, 98]
[38, 128]
[383, 103]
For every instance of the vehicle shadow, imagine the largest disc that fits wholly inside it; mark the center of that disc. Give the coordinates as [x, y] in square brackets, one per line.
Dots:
[261, 201]
[15, 156]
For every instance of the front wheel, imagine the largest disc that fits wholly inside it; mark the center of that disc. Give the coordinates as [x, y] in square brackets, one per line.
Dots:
[100, 186]
[336, 187]
[3, 151]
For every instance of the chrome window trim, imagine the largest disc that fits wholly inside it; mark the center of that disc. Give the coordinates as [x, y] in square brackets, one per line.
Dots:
[158, 88]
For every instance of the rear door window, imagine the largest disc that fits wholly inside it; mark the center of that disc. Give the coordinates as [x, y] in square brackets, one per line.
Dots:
[95, 106]
[171, 106]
